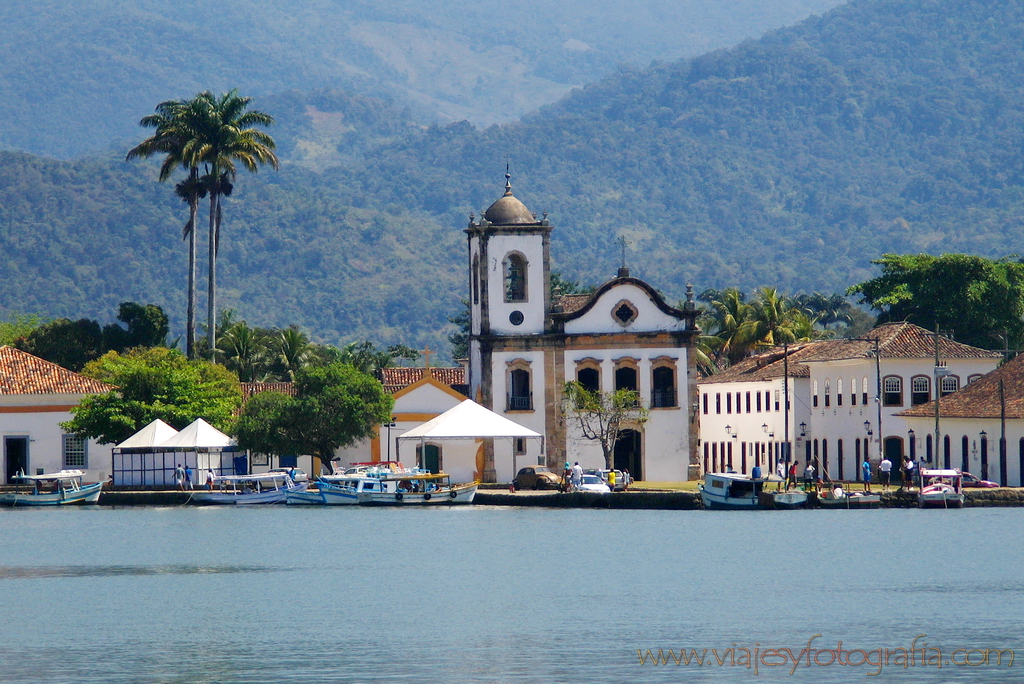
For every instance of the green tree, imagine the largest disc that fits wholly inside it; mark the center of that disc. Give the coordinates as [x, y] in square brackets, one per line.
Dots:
[246, 351]
[294, 351]
[67, 343]
[147, 326]
[154, 383]
[335, 406]
[980, 300]
[600, 416]
[18, 325]
[226, 138]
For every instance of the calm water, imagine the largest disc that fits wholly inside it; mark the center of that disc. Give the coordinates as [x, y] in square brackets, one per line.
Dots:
[482, 594]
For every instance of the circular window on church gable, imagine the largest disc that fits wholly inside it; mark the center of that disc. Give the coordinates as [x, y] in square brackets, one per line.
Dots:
[516, 318]
[624, 312]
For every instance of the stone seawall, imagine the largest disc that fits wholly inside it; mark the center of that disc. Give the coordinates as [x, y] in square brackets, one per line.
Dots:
[671, 501]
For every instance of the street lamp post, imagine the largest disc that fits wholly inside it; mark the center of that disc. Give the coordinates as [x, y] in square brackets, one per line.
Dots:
[390, 425]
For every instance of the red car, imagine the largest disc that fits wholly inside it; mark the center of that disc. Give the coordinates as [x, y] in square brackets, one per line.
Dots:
[972, 481]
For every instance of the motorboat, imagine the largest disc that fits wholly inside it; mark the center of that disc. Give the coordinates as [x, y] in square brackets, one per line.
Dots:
[53, 489]
[261, 488]
[840, 498]
[731, 491]
[940, 488]
[414, 487]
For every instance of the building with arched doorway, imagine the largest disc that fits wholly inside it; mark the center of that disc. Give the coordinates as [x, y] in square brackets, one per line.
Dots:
[527, 341]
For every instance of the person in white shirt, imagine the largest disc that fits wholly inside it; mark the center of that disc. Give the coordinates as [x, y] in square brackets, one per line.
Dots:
[577, 475]
[884, 473]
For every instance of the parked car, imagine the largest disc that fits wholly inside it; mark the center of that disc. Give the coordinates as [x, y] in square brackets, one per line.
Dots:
[622, 480]
[536, 477]
[972, 481]
[593, 483]
[297, 474]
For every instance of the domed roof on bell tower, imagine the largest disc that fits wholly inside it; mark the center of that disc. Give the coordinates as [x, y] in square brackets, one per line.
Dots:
[508, 210]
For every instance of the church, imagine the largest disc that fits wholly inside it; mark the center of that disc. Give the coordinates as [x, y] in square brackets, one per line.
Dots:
[526, 341]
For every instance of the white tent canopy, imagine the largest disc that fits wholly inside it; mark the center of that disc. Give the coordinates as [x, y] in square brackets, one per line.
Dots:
[469, 420]
[198, 435]
[154, 434]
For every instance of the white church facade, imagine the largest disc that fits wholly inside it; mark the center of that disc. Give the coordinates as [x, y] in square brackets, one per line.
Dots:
[526, 342]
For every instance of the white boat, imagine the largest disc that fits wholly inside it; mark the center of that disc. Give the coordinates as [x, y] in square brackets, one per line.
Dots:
[65, 487]
[940, 488]
[262, 488]
[845, 499]
[731, 491]
[415, 488]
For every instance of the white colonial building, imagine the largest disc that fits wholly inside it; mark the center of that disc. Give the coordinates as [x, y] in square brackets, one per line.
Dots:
[980, 428]
[36, 396]
[846, 399]
[526, 342]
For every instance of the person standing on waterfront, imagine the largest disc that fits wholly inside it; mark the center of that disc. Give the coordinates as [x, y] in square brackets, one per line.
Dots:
[780, 470]
[911, 472]
[808, 476]
[905, 473]
[884, 473]
[577, 475]
[188, 476]
[866, 470]
[179, 477]
[791, 482]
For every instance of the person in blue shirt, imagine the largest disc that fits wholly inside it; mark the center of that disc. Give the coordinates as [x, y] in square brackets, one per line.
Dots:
[866, 469]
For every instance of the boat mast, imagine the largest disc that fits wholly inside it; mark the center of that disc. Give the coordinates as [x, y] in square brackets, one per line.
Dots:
[939, 375]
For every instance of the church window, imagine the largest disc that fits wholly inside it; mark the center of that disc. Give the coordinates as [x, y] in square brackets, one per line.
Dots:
[892, 390]
[624, 313]
[625, 378]
[516, 317]
[839, 392]
[515, 278]
[728, 402]
[864, 392]
[920, 390]
[748, 402]
[828, 393]
[758, 402]
[777, 395]
[972, 378]
[853, 391]
[588, 374]
[663, 385]
[520, 394]
[718, 402]
[949, 384]
[814, 401]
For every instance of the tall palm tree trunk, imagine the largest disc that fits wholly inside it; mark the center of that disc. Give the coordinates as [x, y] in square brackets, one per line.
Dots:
[190, 332]
[211, 314]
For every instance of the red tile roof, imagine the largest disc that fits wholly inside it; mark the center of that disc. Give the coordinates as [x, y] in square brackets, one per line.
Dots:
[575, 302]
[766, 366]
[980, 399]
[899, 341]
[23, 373]
[895, 341]
[398, 377]
[252, 388]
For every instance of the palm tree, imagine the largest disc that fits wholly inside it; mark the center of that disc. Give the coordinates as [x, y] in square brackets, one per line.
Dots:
[294, 350]
[228, 137]
[177, 124]
[246, 352]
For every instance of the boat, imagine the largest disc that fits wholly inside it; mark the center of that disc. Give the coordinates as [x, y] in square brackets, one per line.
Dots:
[309, 497]
[845, 499]
[415, 487]
[731, 491]
[786, 499]
[66, 488]
[940, 488]
[262, 488]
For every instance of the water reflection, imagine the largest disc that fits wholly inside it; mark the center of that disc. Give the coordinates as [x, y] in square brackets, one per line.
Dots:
[44, 572]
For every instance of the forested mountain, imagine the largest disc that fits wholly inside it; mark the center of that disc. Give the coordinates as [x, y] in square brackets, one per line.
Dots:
[791, 160]
[76, 74]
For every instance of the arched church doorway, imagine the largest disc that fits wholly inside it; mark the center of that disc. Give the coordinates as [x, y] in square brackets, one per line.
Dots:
[627, 454]
[894, 451]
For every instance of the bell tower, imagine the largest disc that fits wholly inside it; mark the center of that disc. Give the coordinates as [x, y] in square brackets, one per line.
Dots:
[509, 269]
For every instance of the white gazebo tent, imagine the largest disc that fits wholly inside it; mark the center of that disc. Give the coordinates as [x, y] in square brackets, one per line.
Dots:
[148, 458]
[470, 420]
